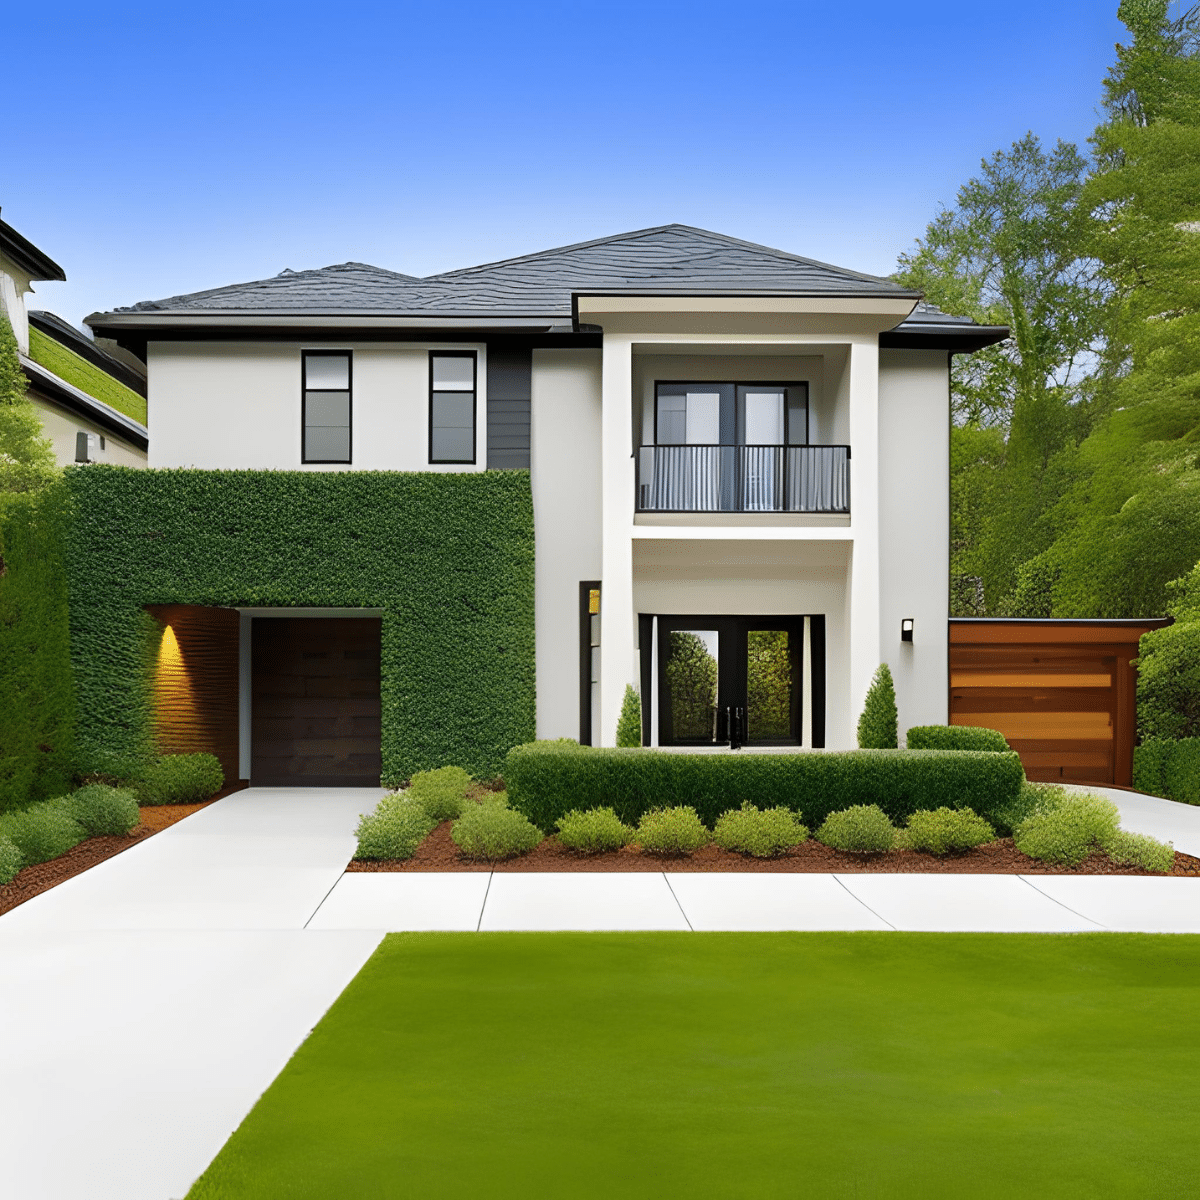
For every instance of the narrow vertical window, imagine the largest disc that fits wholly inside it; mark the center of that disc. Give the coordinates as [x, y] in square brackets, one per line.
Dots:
[326, 390]
[452, 407]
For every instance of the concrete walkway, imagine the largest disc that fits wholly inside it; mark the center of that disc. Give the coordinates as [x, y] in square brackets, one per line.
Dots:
[151, 1000]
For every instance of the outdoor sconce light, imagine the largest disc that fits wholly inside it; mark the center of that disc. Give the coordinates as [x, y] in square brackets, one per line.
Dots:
[906, 629]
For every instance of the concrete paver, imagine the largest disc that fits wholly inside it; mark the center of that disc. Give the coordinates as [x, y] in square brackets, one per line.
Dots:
[420, 901]
[552, 900]
[1128, 903]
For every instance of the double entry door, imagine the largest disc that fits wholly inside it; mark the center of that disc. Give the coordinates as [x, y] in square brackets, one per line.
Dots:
[734, 679]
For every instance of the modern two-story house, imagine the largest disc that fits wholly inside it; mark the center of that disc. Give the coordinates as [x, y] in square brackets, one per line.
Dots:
[739, 459]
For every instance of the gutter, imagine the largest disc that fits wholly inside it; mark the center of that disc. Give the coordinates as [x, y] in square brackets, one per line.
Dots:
[69, 396]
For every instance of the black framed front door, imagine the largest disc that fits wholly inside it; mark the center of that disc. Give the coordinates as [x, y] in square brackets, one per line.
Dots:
[714, 671]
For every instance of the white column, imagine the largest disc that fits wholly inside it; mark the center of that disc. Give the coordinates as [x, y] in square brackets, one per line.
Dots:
[617, 621]
[864, 520]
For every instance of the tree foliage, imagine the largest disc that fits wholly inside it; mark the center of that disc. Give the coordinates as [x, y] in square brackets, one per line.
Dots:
[26, 457]
[692, 684]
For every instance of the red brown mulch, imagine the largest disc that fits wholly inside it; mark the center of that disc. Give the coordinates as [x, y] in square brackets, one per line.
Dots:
[32, 881]
[438, 853]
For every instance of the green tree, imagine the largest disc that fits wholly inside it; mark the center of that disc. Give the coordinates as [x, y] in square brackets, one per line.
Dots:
[877, 727]
[691, 678]
[768, 684]
[1014, 250]
[26, 457]
[629, 723]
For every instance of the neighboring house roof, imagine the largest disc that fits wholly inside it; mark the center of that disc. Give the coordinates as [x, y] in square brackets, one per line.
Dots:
[27, 256]
[80, 344]
[75, 370]
[52, 387]
[533, 289]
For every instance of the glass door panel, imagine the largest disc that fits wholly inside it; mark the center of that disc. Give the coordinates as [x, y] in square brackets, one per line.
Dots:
[772, 685]
[691, 671]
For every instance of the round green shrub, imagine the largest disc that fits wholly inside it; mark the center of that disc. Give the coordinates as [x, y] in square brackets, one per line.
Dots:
[946, 831]
[1067, 829]
[493, 832]
[10, 859]
[761, 834]
[1141, 850]
[863, 829]
[42, 832]
[180, 779]
[594, 831]
[104, 810]
[394, 830]
[671, 831]
[441, 793]
[877, 724]
[955, 737]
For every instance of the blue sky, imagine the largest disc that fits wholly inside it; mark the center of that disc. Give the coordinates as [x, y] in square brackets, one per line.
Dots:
[167, 148]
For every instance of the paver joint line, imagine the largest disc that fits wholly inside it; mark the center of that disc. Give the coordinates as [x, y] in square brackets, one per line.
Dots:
[866, 905]
[674, 897]
[1072, 911]
[323, 899]
[483, 906]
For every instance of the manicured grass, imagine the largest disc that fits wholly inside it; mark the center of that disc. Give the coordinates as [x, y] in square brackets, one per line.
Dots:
[756, 1065]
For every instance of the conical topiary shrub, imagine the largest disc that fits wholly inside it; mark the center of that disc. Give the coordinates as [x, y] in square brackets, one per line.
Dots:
[877, 725]
[629, 724]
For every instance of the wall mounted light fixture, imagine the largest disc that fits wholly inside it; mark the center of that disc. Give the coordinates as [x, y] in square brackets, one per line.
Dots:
[906, 629]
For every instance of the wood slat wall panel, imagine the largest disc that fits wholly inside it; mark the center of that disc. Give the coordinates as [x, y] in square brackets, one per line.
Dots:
[196, 683]
[1061, 692]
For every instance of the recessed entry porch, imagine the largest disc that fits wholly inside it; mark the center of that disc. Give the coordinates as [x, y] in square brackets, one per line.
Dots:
[282, 696]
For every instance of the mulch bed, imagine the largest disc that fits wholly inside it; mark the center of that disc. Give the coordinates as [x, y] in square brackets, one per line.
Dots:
[32, 881]
[438, 853]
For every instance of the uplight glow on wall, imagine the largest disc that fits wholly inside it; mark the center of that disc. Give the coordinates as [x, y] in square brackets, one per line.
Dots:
[176, 712]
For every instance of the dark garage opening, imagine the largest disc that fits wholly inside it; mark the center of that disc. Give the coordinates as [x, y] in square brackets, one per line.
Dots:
[315, 711]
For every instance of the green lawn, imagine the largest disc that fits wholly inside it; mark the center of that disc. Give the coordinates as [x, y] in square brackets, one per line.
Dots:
[756, 1065]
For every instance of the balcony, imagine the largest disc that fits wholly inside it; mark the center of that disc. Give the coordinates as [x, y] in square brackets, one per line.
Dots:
[741, 479]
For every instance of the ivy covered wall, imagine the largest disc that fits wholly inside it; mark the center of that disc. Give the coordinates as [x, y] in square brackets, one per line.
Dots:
[448, 557]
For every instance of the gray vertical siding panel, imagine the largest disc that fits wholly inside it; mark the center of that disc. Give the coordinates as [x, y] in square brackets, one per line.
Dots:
[509, 392]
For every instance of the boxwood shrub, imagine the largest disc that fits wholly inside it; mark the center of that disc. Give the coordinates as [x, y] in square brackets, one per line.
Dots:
[593, 832]
[41, 832]
[103, 810]
[946, 831]
[10, 859]
[761, 833]
[1168, 768]
[671, 832]
[180, 779]
[955, 737]
[492, 831]
[394, 830]
[441, 793]
[863, 829]
[544, 782]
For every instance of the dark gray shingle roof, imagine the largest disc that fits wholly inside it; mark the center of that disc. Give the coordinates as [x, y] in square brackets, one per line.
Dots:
[666, 258]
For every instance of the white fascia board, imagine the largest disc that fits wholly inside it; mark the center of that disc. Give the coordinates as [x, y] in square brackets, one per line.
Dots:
[896, 307]
[257, 320]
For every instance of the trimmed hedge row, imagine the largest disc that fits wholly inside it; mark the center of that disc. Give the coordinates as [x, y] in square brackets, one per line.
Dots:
[1168, 768]
[546, 782]
[448, 557]
[955, 737]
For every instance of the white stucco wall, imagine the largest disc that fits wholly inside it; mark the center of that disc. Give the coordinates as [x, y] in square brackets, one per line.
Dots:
[565, 462]
[914, 471]
[61, 427]
[238, 405]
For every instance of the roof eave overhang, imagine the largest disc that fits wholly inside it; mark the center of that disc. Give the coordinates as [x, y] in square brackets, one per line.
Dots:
[47, 384]
[24, 254]
[586, 305]
[942, 335]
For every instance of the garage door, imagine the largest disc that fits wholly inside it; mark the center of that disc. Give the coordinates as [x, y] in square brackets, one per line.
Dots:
[315, 715]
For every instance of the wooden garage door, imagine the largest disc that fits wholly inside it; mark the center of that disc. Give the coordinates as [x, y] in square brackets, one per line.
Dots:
[315, 715]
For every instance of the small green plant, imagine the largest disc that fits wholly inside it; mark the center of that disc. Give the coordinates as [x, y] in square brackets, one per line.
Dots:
[41, 832]
[946, 831]
[10, 860]
[671, 831]
[394, 830]
[761, 834]
[441, 793]
[594, 831]
[629, 723]
[103, 810]
[493, 831]
[1067, 828]
[878, 723]
[955, 737]
[1141, 850]
[863, 829]
[180, 779]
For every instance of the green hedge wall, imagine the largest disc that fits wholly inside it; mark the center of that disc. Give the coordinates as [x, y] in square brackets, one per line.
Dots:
[1168, 768]
[36, 697]
[955, 737]
[448, 557]
[544, 781]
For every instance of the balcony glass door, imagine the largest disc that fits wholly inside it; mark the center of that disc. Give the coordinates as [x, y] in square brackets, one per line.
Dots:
[739, 678]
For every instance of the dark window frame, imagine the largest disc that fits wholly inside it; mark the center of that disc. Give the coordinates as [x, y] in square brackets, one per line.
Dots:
[305, 389]
[473, 355]
[736, 384]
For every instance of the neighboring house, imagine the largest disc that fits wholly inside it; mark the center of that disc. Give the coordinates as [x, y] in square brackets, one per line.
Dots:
[92, 403]
[739, 457]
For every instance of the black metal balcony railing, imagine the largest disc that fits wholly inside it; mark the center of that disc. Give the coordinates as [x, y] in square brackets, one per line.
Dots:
[799, 479]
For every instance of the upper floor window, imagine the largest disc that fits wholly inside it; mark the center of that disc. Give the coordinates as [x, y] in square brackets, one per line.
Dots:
[452, 407]
[731, 414]
[326, 418]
